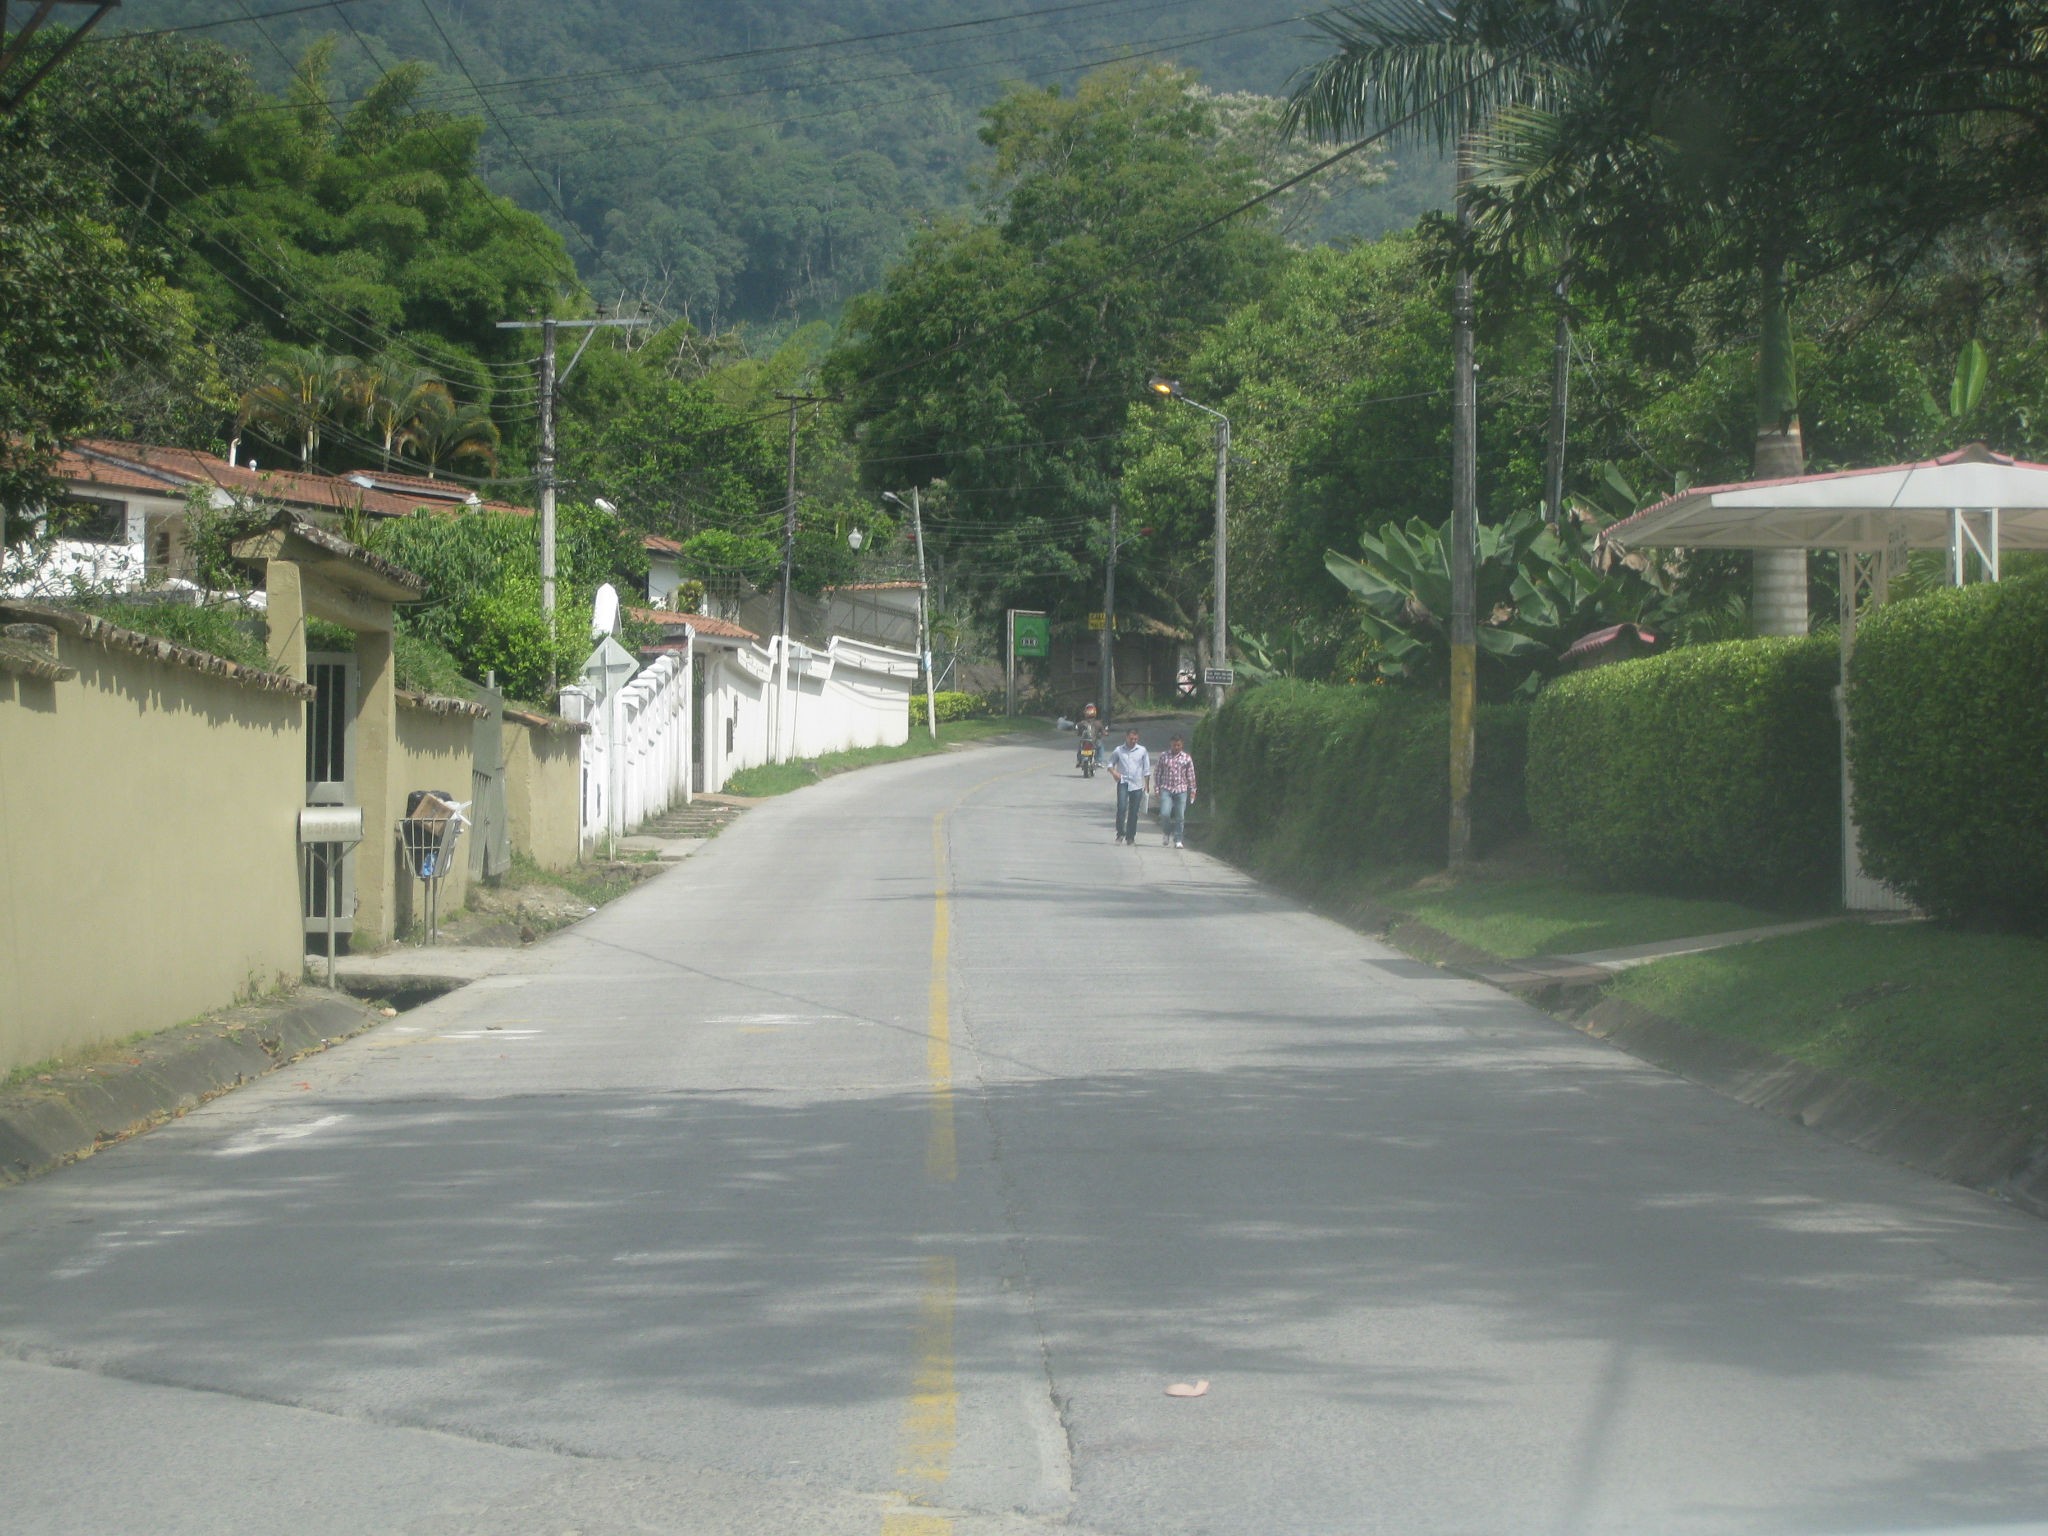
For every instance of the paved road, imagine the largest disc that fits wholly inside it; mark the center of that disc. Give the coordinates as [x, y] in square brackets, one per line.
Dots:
[876, 1170]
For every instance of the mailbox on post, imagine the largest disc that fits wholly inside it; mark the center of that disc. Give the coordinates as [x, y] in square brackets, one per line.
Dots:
[337, 828]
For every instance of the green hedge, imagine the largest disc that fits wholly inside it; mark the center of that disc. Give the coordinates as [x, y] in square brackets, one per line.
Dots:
[952, 706]
[1713, 770]
[1948, 714]
[1324, 777]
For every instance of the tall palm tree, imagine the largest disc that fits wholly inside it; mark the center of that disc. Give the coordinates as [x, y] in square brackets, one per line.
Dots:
[1438, 72]
[303, 390]
[444, 432]
[391, 394]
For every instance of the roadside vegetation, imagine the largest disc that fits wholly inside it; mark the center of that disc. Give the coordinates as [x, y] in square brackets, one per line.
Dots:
[780, 778]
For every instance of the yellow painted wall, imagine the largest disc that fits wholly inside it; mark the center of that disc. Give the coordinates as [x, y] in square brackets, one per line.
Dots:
[543, 792]
[148, 847]
[435, 751]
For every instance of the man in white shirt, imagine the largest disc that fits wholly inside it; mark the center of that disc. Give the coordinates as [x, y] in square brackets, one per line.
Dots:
[1131, 766]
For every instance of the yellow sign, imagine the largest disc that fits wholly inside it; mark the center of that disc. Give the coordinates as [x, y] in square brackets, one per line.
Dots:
[1098, 621]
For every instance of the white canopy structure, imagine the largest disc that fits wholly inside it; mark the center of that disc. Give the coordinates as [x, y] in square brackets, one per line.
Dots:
[1970, 502]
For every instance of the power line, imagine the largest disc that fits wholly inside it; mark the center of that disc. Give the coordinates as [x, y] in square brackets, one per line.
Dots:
[225, 21]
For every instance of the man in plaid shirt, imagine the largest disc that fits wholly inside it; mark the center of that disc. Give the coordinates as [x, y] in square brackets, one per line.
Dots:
[1174, 775]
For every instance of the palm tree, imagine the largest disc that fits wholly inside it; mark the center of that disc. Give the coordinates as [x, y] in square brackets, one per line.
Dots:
[304, 389]
[444, 432]
[1439, 71]
[391, 394]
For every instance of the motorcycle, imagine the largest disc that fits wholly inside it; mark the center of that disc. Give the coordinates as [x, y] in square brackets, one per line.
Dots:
[1087, 754]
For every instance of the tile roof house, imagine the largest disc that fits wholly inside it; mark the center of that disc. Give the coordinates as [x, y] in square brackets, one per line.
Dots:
[124, 507]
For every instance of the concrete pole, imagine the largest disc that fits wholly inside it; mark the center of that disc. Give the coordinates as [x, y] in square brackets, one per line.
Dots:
[924, 618]
[1464, 550]
[777, 751]
[547, 489]
[1220, 643]
[1109, 622]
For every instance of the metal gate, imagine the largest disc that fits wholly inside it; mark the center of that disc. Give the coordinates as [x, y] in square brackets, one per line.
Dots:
[490, 844]
[330, 780]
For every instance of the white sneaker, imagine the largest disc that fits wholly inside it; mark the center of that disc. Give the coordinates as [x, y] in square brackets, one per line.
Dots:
[1178, 843]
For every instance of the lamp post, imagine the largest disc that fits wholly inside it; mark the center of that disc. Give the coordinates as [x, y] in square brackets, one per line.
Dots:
[1220, 643]
[924, 627]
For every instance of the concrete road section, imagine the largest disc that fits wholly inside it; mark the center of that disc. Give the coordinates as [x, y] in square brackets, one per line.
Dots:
[878, 1169]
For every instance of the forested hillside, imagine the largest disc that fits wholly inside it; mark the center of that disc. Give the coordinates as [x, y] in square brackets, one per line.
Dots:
[763, 162]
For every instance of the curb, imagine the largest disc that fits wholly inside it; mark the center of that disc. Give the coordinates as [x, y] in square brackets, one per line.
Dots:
[82, 1109]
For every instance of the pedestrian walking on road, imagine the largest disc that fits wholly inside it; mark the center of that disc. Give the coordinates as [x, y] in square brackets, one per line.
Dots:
[1175, 776]
[1131, 766]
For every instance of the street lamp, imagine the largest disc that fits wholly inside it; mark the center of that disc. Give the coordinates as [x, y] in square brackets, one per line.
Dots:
[924, 628]
[604, 506]
[1220, 642]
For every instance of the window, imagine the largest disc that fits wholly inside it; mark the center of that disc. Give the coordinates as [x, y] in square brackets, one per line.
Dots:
[88, 520]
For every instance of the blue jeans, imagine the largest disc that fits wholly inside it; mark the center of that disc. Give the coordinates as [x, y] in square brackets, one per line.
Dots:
[1130, 800]
[1173, 813]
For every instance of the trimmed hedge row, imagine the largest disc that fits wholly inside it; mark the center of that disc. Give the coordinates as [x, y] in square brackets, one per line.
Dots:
[1948, 712]
[1712, 770]
[952, 706]
[1325, 776]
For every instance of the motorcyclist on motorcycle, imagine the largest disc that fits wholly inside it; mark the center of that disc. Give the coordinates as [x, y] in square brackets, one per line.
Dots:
[1090, 727]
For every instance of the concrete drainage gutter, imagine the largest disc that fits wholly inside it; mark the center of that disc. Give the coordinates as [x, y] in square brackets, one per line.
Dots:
[71, 1114]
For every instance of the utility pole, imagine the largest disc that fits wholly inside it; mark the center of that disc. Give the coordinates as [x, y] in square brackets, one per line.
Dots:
[1464, 550]
[1220, 644]
[544, 470]
[1109, 622]
[778, 748]
[924, 618]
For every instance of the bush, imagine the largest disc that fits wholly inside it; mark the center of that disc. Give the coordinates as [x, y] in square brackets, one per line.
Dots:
[1324, 777]
[952, 706]
[1713, 770]
[228, 633]
[1949, 745]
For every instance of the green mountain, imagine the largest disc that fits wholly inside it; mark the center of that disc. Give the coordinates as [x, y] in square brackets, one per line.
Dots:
[763, 161]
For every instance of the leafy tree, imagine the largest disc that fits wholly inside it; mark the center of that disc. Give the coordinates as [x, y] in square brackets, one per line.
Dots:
[483, 588]
[1003, 355]
[79, 304]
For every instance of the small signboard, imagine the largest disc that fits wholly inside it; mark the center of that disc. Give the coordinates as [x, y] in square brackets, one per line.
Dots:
[609, 667]
[1033, 635]
[1098, 621]
[1220, 677]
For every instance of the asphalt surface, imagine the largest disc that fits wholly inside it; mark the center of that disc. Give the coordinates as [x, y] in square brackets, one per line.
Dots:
[878, 1169]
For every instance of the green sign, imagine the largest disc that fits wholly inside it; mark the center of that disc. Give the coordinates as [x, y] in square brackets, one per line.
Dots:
[1031, 634]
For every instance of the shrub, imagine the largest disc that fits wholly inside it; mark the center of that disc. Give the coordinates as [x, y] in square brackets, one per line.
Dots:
[1949, 746]
[1326, 776]
[1713, 770]
[952, 706]
[227, 633]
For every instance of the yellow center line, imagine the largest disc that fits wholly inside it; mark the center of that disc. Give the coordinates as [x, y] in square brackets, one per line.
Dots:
[931, 1416]
[932, 1413]
[941, 1158]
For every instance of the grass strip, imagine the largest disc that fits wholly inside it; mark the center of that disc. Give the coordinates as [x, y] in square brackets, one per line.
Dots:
[1934, 1014]
[1516, 919]
[780, 778]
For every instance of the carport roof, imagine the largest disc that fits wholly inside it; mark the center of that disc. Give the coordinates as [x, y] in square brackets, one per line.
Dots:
[1853, 509]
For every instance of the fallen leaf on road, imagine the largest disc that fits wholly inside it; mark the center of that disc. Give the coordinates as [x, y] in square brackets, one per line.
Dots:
[1182, 1389]
[307, 1086]
[389, 1013]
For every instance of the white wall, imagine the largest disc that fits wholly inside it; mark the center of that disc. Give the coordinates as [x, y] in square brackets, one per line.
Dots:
[850, 694]
[636, 758]
[735, 721]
